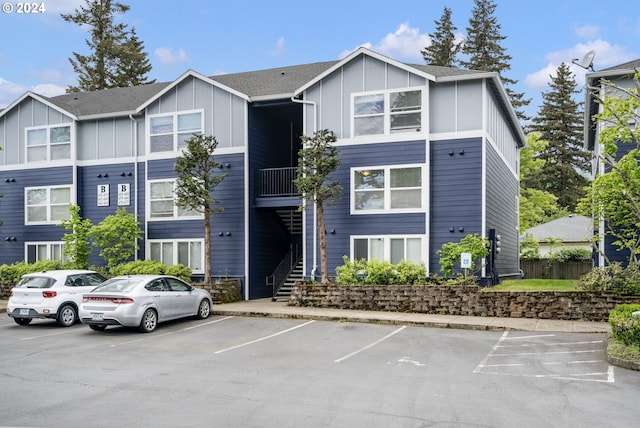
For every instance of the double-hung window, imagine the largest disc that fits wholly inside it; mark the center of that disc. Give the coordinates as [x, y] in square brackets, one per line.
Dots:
[387, 189]
[49, 143]
[393, 249]
[185, 252]
[169, 132]
[162, 201]
[47, 205]
[388, 112]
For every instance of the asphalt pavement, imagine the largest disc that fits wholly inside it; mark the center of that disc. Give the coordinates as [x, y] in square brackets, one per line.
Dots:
[270, 309]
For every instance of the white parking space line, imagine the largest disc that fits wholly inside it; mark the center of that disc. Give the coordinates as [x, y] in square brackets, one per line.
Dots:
[370, 345]
[262, 338]
[506, 356]
[58, 333]
[153, 336]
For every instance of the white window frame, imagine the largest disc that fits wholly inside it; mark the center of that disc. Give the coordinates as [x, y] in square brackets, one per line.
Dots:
[386, 245]
[175, 132]
[387, 190]
[50, 254]
[175, 243]
[47, 204]
[48, 145]
[386, 113]
[177, 212]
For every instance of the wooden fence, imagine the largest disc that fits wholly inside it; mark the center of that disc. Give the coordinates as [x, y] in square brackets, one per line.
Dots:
[543, 268]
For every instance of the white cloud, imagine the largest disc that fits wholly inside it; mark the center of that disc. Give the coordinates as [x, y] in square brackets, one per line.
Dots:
[167, 56]
[9, 91]
[278, 49]
[49, 90]
[587, 31]
[606, 55]
[404, 44]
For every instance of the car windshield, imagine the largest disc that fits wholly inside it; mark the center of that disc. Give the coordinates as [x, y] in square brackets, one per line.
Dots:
[117, 285]
[36, 282]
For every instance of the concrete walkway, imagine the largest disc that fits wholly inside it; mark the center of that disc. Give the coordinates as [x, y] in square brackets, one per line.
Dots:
[267, 308]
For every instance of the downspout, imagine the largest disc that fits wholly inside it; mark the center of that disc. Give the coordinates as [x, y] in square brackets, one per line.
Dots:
[135, 176]
[314, 270]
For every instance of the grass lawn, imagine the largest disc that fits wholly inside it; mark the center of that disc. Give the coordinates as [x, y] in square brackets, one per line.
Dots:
[537, 285]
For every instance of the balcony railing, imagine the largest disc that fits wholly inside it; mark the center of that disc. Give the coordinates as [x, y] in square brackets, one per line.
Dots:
[276, 182]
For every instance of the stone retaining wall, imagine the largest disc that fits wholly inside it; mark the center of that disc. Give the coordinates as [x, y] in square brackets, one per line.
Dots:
[468, 300]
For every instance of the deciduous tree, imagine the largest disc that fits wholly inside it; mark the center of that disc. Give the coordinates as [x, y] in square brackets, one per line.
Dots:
[77, 246]
[117, 237]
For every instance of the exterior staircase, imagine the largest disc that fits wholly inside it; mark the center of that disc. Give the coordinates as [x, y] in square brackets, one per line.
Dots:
[284, 292]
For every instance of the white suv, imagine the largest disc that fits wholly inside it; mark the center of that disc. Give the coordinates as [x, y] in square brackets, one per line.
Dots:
[55, 294]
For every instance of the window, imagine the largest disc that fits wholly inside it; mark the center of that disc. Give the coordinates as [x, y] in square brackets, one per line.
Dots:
[37, 251]
[186, 252]
[385, 189]
[387, 113]
[169, 133]
[390, 248]
[49, 143]
[161, 201]
[47, 204]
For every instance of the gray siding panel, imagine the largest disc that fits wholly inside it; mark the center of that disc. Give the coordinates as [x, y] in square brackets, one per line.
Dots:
[456, 193]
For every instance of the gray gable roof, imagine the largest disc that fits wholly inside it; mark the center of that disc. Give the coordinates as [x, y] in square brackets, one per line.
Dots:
[271, 83]
[572, 228]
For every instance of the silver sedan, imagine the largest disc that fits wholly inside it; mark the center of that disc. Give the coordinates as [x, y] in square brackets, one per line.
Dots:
[142, 301]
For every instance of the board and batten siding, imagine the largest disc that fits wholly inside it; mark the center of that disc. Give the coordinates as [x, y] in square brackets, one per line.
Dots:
[455, 106]
[332, 95]
[107, 139]
[224, 112]
[456, 193]
[28, 113]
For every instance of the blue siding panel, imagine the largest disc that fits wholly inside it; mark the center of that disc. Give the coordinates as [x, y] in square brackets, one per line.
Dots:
[338, 218]
[456, 193]
[502, 191]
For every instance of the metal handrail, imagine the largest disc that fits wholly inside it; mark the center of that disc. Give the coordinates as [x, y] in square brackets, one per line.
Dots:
[280, 274]
[276, 182]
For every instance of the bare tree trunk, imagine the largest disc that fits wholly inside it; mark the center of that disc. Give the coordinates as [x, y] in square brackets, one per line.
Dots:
[323, 244]
[207, 247]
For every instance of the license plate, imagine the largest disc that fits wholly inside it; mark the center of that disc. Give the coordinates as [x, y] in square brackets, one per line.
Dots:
[97, 317]
[24, 311]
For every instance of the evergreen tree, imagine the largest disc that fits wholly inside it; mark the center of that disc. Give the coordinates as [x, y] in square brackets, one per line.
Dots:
[443, 48]
[117, 57]
[565, 164]
[485, 52]
[197, 179]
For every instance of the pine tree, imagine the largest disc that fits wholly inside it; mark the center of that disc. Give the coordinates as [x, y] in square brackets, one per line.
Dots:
[485, 52]
[117, 57]
[443, 48]
[560, 123]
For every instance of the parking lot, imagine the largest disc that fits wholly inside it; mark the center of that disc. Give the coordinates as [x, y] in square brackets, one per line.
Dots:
[233, 371]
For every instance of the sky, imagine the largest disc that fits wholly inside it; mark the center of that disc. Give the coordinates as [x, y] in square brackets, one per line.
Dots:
[229, 36]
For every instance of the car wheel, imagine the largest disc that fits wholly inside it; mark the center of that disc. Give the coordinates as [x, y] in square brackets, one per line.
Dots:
[204, 309]
[22, 321]
[98, 327]
[66, 316]
[149, 321]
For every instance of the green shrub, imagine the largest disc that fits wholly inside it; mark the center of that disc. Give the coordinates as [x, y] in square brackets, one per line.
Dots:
[624, 327]
[571, 254]
[12, 273]
[612, 277]
[375, 272]
[152, 267]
